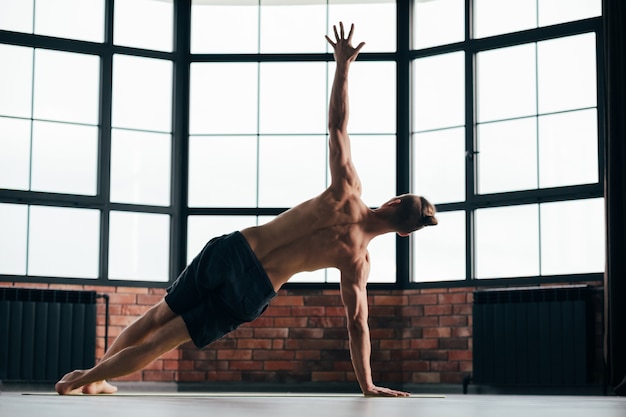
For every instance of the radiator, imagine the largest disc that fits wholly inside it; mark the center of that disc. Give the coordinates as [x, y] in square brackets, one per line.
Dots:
[532, 336]
[45, 333]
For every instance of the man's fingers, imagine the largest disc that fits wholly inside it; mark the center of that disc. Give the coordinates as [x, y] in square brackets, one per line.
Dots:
[350, 34]
[358, 48]
[329, 41]
[342, 32]
[336, 34]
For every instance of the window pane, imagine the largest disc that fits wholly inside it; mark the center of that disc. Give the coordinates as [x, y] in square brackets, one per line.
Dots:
[59, 18]
[439, 92]
[223, 171]
[572, 237]
[293, 26]
[56, 169]
[438, 23]
[495, 17]
[507, 158]
[287, 109]
[568, 149]
[63, 242]
[201, 229]
[383, 259]
[372, 104]
[506, 83]
[140, 167]
[67, 86]
[13, 227]
[374, 21]
[223, 98]
[142, 93]
[567, 73]
[146, 24]
[439, 165]
[139, 247]
[375, 161]
[291, 169]
[552, 12]
[439, 251]
[507, 242]
[211, 19]
[16, 16]
[14, 153]
[16, 81]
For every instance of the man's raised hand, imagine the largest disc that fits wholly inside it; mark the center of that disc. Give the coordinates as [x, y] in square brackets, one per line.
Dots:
[344, 52]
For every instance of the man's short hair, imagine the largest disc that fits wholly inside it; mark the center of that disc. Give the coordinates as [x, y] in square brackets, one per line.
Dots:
[413, 213]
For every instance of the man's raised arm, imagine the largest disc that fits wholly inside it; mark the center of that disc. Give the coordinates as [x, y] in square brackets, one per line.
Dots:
[341, 167]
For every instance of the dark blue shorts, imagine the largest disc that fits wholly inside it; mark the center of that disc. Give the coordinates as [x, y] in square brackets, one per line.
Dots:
[222, 288]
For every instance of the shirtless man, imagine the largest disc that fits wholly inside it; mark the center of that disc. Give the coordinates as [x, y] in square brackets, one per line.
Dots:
[234, 277]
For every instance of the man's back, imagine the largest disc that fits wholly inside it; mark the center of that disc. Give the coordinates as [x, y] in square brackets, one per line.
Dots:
[325, 231]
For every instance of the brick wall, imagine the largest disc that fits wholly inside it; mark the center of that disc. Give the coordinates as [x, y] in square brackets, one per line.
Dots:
[419, 336]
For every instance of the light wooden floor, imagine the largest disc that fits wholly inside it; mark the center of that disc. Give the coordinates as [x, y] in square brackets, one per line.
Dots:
[16, 404]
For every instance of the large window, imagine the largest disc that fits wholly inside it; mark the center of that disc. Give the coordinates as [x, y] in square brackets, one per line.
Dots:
[135, 133]
[505, 139]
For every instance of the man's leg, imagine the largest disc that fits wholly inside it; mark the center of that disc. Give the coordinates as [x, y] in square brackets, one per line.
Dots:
[156, 332]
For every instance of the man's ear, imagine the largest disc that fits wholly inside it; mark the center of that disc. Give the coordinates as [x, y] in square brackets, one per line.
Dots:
[392, 202]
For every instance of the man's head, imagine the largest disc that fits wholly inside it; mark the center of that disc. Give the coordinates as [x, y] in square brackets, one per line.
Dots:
[408, 213]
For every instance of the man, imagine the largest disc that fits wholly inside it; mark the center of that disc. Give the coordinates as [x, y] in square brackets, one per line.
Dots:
[234, 277]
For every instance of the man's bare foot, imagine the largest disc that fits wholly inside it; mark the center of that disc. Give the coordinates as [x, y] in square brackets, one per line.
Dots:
[100, 387]
[66, 385]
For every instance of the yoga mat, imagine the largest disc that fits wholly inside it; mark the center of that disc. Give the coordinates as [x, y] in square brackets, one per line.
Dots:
[226, 394]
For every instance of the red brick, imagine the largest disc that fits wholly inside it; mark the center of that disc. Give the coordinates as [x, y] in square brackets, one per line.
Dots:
[390, 300]
[465, 309]
[254, 344]
[238, 354]
[437, 332]
[119, 298]
[461, 332]
[266, 354]
[335, 311]
[291, 321]
[433, 290]
[394, 344]
[148, 299]
[276, 311]
[460, 355]
[307, 355]
[453, 321]
[306, 333]
[438, 310]
[271, 333]
[424, 344]
[288, 300]
[327, 322]
[249, 365]
[307, 311]
[431, 321]
[444, 366]
[278, 365]
[456, 298]
[322, 300]
[423, 299]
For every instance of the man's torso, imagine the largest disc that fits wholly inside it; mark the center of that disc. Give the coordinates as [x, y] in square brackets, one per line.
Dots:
[319, 233]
